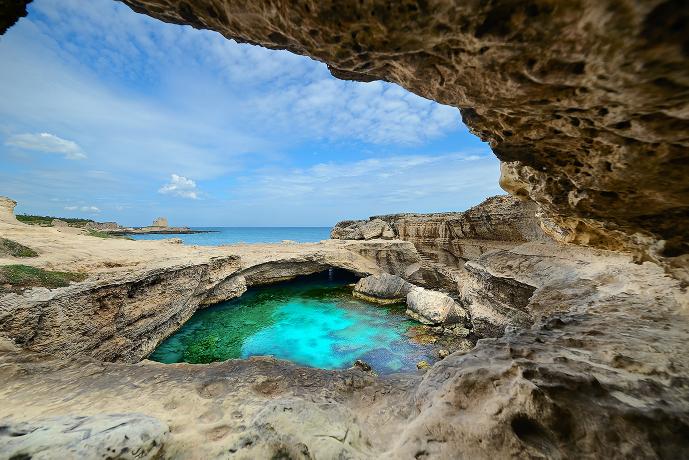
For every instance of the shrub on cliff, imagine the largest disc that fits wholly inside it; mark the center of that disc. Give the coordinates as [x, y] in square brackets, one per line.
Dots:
[14, 249]
[17, 277]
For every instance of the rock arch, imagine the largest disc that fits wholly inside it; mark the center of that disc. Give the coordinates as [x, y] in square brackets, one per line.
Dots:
[585, 102]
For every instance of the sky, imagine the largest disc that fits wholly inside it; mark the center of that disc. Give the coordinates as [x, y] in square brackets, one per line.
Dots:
[111, 115]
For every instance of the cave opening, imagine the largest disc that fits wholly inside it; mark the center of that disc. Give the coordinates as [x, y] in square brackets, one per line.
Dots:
[137, 118]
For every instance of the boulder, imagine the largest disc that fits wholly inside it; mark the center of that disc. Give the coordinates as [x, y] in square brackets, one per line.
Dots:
[383, 288]
[7, 210]
[59, 223]
[433, 307]
[375, 229]
[347, 230]
[362, 230]
[122, 436]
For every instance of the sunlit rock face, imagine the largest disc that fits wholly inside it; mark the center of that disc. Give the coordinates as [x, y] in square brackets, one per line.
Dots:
[586, 100]
[7, 210]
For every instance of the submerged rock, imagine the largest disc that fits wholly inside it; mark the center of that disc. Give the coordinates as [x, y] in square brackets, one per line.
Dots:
[423, 365]
[122, 436]
[383, 288]
[363, 365]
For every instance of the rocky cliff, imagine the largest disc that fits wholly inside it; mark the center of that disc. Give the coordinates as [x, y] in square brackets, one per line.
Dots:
[446, 241]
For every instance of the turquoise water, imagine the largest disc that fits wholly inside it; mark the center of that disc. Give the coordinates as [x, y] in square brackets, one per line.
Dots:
[229, 235]
[313, 322]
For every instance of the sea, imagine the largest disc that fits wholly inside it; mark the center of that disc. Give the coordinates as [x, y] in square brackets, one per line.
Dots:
[218, 236]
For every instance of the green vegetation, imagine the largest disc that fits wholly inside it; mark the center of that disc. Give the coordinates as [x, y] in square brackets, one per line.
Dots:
[20, 277]
[47, 221]
[14, 249]
[99, 234]
[203, 351]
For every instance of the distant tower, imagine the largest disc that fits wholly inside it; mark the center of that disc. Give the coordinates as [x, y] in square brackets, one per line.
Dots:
[160, 222]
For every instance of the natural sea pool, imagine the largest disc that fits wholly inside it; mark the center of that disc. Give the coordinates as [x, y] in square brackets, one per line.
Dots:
[312, 321]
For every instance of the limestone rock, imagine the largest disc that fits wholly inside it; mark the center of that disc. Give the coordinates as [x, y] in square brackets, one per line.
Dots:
[230, 288]
[432, 307]
[447, 240]
[122, 436]
[362, 230]
[347, 230]
[7, 210]
[383, 287]
[375, 228]
[363, 365]
[423, 365]
[59, 223]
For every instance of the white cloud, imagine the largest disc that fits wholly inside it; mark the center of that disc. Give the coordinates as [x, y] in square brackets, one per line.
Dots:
[89, 209]
[377, 185]
[48, 143]
[180, 186]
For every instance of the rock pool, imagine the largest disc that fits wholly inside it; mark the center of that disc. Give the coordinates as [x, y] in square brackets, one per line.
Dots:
[312, 321]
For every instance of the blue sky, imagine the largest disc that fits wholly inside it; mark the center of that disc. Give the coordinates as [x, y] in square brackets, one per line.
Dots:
[112, 115]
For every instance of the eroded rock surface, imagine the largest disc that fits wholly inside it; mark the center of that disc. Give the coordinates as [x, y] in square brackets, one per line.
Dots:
[586, 100]
[383, 288]
[7, 206]
[433, 307]
[121, 436]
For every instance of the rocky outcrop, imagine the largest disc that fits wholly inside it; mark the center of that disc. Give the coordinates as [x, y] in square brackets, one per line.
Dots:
[122, 436]
[433, 307]
[446, 241]
[7, 210]
[383, 288]
[102, 226]
[362, 230]
[59, 223]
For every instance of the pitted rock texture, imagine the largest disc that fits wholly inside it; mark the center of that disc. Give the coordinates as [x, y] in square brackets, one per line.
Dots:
[601, 373]
[120, 436]
[587, 100]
